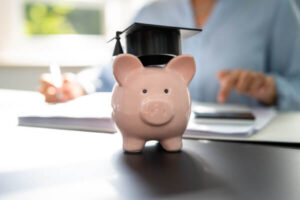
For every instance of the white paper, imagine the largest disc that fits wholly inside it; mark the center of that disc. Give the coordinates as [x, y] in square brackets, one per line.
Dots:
[96, 105]
[93, 113]
[262, 117]
[87, 113]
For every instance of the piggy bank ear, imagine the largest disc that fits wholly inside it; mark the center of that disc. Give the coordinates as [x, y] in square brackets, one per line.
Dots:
[185, 65]
[123, 65]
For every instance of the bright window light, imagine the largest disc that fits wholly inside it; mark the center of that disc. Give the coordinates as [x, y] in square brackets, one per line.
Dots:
[67, 32]
[68, 18]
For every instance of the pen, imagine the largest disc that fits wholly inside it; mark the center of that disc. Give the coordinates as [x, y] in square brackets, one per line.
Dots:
[56, 77]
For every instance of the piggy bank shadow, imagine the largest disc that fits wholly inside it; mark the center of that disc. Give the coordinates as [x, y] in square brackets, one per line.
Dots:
[156, 173]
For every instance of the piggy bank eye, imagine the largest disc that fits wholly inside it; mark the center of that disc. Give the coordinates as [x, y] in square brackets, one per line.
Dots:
[166, 91]
[145, 91]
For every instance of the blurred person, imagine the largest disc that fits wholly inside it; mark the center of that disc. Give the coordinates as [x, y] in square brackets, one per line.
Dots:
[248, 52]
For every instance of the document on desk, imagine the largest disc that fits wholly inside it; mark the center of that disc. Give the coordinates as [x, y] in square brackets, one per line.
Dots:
[262, 117]
[93, 113]
[87, 113]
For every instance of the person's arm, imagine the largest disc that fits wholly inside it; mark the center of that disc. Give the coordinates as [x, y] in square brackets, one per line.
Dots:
[257, 85]
[284, 57]
[96, 79]
[69, 90]
[280, 84]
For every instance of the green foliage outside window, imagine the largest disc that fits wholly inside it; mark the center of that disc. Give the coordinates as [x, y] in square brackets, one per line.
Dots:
[43, 19]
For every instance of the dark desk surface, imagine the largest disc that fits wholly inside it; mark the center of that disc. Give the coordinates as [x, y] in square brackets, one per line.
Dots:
[203, 170]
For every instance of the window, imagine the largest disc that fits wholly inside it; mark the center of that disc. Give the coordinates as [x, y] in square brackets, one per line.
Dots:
[67, 32]
[46, 19]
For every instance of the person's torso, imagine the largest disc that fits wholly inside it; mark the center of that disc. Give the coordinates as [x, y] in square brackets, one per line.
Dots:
[235, 36]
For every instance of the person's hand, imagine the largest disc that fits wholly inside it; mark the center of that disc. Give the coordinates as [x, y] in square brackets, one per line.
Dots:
[70, 89]
[254, 84]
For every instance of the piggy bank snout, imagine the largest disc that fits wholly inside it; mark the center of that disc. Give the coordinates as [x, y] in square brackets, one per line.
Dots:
[157, 112]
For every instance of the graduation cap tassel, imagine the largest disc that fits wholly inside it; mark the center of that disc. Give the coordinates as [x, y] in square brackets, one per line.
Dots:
[118, 47]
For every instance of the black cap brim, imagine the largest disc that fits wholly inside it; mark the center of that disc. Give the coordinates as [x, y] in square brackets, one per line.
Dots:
[154, 44]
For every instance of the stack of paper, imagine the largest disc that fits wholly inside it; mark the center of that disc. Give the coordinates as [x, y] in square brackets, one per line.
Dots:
[93, 113]
[87, 113]
[262, 117]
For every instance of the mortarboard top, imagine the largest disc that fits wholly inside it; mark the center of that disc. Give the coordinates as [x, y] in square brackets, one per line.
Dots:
[153, 44]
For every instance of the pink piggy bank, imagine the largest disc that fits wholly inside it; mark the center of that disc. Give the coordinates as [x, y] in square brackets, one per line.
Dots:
[152, 103]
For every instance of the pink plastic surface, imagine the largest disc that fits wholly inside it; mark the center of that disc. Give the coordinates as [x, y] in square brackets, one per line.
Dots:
[152, 103]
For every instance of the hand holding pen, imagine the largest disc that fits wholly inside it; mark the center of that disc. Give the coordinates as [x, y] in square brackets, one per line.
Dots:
[59, 88]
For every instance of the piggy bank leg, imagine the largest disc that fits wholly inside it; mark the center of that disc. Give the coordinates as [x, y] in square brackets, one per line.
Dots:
[172, 144]
[132, 144]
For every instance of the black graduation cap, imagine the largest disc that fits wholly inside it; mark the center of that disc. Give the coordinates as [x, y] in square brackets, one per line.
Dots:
[153, 44]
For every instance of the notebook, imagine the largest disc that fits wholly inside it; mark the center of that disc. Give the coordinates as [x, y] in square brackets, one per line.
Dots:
[87, 113]
[229, 127]
[93, 113]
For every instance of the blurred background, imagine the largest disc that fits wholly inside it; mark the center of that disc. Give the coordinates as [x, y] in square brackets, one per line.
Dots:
[71, 33]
